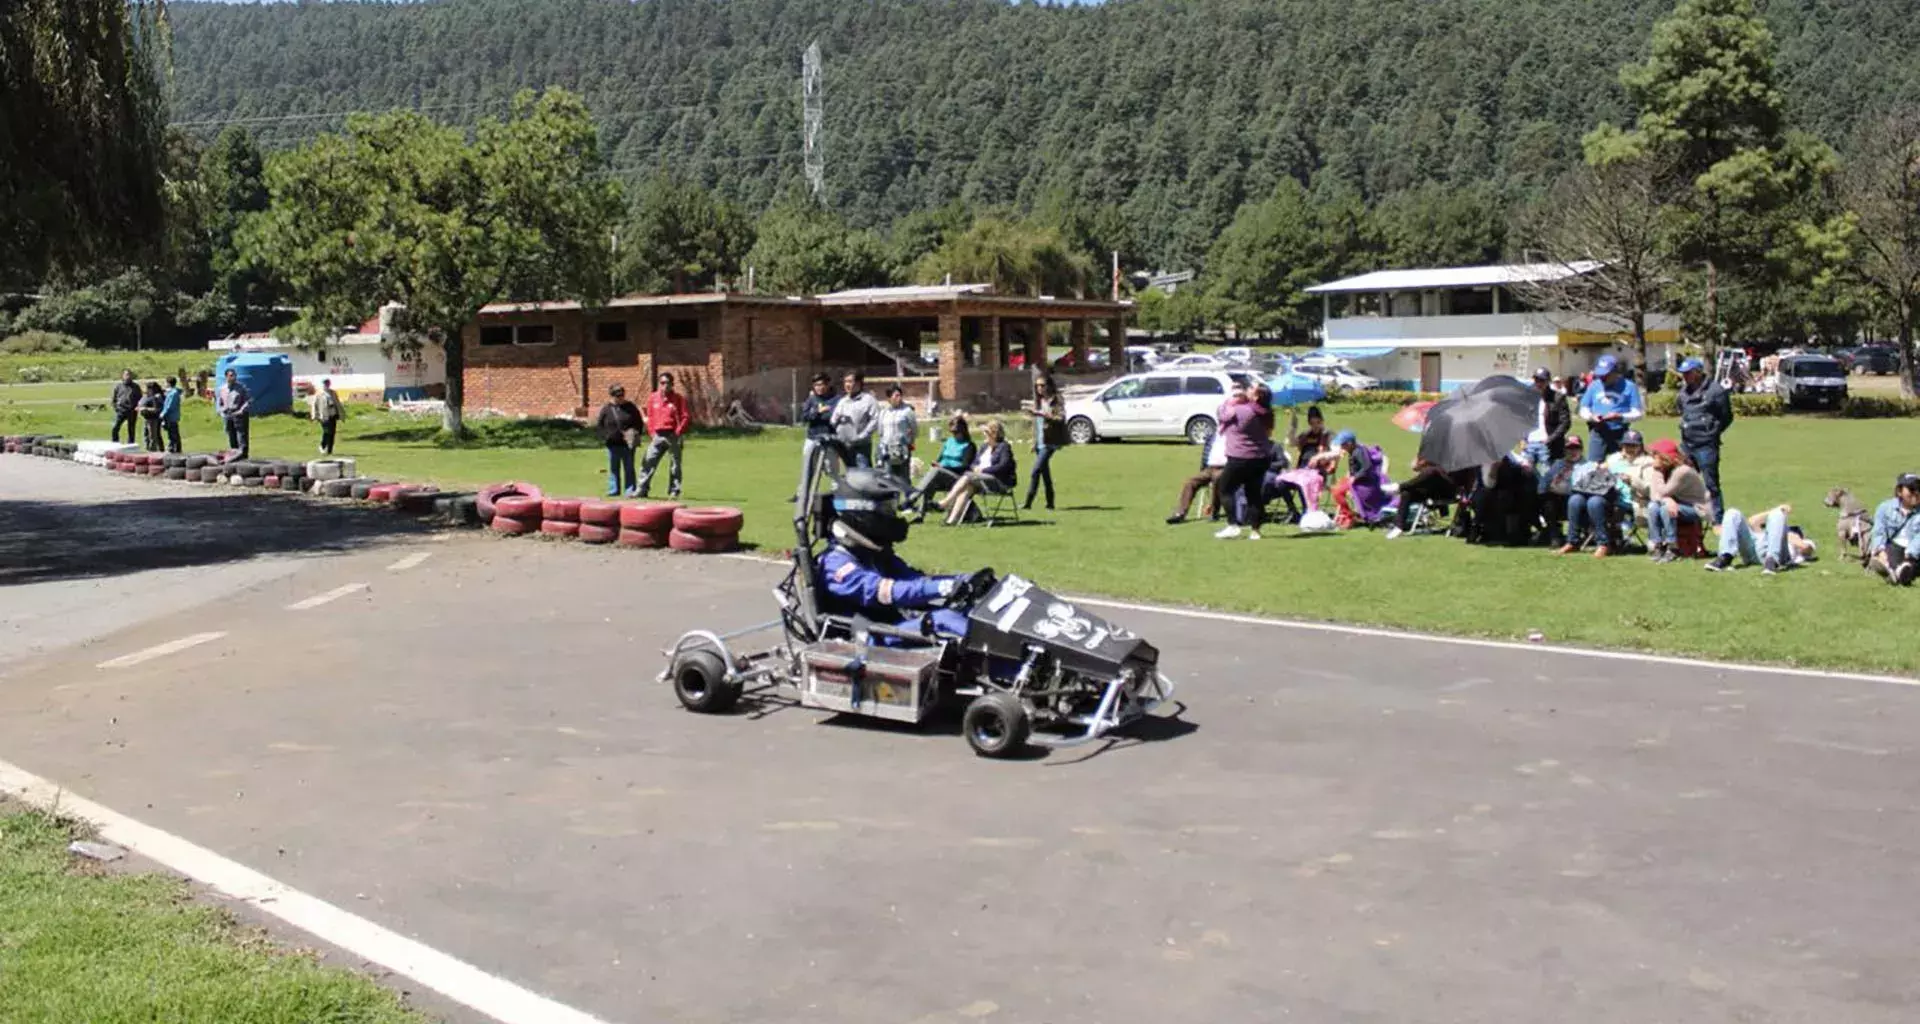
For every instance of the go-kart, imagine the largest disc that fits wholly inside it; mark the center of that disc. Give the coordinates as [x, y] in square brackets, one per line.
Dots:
[1032, 667]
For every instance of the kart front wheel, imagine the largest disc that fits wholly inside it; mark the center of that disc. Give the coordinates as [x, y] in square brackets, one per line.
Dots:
[996, 725]
[700, 681]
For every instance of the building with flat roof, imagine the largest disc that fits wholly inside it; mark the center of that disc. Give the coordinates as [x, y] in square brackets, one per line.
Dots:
[558, 358]
[1438, 329]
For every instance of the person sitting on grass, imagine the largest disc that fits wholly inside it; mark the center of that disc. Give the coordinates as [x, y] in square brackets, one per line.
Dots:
[1592, 504]
[993, 472]
[1781, 546]
[956, 457]
[1430, 486]
[1213, 459]
[1678, 496]
[1891, 544]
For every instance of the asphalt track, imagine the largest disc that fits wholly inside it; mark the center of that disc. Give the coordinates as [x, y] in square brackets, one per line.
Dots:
[471, 751]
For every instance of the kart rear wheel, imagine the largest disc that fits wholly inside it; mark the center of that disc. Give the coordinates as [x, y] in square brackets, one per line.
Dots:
[996, 725]
[700, 681]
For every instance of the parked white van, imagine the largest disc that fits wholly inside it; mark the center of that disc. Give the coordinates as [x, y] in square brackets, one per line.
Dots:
[1160, 403]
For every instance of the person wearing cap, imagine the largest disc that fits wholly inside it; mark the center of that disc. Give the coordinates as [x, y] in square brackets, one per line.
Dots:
[619, 426]
[1632, 470]
[1706, 412]
[1610, 406]
[1678, 496]
[1556, 487]
[1593, 509]
[1362, 497]
[1547, 443]
[1781, 546]
[1894, 543]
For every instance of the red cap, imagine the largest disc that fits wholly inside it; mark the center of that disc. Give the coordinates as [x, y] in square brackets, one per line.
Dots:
[1666, 446]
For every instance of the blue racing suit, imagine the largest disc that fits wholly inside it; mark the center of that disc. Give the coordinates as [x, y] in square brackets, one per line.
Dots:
[880, 587]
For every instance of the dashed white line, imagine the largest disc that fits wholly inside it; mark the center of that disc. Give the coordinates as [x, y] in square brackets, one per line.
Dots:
[410, 561]
[332, 595]
[495, 997]
[161, 650]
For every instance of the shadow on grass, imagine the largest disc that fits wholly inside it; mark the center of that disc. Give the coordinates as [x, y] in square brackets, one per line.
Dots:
[42, 541]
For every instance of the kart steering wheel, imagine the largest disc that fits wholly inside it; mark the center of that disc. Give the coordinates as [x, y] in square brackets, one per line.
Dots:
[972, 588]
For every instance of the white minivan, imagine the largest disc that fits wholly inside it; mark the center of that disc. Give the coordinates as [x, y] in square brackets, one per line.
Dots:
[1161, 403]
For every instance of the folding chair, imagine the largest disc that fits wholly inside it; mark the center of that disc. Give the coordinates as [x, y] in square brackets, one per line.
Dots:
[995, 507]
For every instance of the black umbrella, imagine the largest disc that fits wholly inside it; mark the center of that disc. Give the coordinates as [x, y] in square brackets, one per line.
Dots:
[1479, 423]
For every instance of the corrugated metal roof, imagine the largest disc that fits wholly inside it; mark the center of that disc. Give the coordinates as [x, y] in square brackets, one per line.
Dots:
[1456, 277]
[909, 293]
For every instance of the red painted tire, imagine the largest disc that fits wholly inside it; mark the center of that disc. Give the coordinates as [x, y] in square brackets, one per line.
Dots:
[641, 539]
[517, 506]
[513, 527]
[559, 528]
[600, 513]
[708, 522]
[155, 469]
[562, 510]
[488, 498]
[681, 540]
[271, 483]
[593, 533]
[655, 518]
[382, 493]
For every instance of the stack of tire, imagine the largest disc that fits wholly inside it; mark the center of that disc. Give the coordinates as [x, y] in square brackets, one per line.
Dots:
[599, 522]
[646, 526]
[182, 467]
[560, 517]
[510, 508]
[705, 531]
[332, 478]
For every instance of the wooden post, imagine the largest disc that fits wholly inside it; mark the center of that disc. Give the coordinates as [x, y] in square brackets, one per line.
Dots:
[991, 355]
[1117, 344]
[950, 356]
[1036, 346]
[1081, 334]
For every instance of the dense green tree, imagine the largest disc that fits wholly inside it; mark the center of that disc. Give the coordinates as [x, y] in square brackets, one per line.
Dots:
[1435, 225]
[111, 313]
[1257, 273]
[802, 249]
[680, 237]
[399, 208]
[1016, 257]
[82, 131]
[1873, 250]
[921, 232]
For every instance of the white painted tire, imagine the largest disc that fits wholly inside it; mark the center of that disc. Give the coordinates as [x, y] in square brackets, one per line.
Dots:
[325, 469]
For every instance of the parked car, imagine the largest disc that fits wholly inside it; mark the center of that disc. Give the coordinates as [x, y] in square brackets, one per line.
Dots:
[1238, 355]
[1196, 361]
[1322, 359]
[1160, 403]
[1879, 360]
[1336, 378]
[1812, 382]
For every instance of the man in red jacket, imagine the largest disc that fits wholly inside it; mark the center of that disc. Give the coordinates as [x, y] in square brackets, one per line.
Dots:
[667, 421]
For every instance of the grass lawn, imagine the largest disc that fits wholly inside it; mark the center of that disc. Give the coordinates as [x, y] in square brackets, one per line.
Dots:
[1109, 538]
[78, 944]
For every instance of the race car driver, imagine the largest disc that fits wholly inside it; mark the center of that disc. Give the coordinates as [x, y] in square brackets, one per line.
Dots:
[863, 576]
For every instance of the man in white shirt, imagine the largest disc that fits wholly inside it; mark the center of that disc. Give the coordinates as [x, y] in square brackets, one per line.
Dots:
[1214, 460]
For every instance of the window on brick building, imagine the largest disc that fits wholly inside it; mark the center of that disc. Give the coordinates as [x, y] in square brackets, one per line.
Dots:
[685, 329]
[533, 334]
[610, 331]
[496, 335]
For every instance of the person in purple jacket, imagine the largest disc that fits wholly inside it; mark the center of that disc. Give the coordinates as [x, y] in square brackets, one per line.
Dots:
[1246, 428]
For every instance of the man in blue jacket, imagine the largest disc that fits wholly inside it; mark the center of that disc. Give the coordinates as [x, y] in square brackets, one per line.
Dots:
[1705, 413]
[1893, 548]
[1610, 407]
[170, 414]
[862, 576]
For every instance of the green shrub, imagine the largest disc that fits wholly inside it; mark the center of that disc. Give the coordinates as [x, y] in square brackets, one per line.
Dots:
[1379, 398]
[1667, 403]
[1876, 407]
[33, 374]
[41, 341]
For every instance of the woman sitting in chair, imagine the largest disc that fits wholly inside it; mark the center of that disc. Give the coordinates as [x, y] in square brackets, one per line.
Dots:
[993, 473]
[956, 457]
[1362, 497]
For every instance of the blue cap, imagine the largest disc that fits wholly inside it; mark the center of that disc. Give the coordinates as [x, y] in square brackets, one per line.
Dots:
[1606, 365]
[1343, 437]
[1691, 365]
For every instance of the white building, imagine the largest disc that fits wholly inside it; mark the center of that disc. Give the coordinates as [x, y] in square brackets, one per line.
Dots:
[1439, 329]
[361, 365]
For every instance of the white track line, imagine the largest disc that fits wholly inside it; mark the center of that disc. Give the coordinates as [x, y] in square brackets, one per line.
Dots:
[1456, 641]
[161, 650]
[332, 595]
[461, 982]
[410, 561]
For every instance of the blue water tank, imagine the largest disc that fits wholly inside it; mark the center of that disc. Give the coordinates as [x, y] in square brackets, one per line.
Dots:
[267, 377]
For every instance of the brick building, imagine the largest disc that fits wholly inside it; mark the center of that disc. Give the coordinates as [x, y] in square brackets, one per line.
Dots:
[557, 358]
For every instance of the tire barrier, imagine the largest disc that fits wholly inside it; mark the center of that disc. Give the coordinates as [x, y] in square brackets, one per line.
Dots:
[518, 506]
[560, 510]
[641, 539]
[706, 530]
[681, 540]
[594, 533]
[490, 495]
[359, 488]
[600, 513]
[513, 527]
[559, 528]
[271, 481]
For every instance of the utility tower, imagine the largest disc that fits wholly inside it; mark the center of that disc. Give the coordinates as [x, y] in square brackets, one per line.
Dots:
[811, 118]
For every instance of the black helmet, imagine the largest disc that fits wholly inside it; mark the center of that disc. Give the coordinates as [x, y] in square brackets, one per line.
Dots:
[866, 511]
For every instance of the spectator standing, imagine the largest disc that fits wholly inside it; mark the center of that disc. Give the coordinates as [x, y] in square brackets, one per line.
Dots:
[1547, 444]
[328, 411]
[956, 457]
[619, 426]
[170, 414]
[1706, 411]
[1679, 496]
[1610, 406]
[1247, 425]
[1049, 436]
[896, 430]
[235, 407]
[126, 405]
[149, 409]
[816, 415]
[855, 418]
[667, 421]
